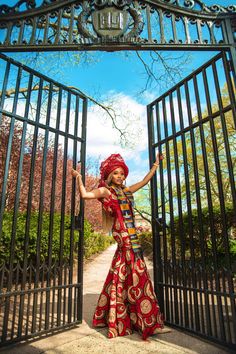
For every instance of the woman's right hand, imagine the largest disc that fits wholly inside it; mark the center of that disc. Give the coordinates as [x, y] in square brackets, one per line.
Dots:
[75, 173]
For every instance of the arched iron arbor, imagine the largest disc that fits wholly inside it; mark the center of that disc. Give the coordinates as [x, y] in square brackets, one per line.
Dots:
[116, 25]
[196, 291]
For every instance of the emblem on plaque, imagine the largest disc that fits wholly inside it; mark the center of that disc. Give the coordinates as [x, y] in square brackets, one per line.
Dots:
[110, 22]
[98, 21]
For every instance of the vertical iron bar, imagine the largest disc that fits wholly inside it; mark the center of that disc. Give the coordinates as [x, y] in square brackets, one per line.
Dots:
[162, 39]
[13, 232]
[162, 253]
[186, 29]
[188, 201]
[20, 36]
[63, 201]
[4, 87]
[172, 116]
[3, 189]
[149, 29]
[224, 284]
[72, 229]
[210, 206]
[173, 23]
[28, 300]
[14, 316]
[157, 267]
[32, 169]
[46, 27]
[54, 282]
[52, 200]
[199, 212]
[171, 211]
[65, 291]
[71, 25]
[219, 183]
[49, 106]
[58, 31]
[179, 200]
[199, 30]
[41, 271]
[81, 214]
[32, 38]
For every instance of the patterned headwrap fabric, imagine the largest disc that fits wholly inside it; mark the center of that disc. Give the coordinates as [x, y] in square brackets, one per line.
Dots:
[110, 164]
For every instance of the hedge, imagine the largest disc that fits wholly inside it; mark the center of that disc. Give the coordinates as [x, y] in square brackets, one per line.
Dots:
[93, 242]
[181, 234]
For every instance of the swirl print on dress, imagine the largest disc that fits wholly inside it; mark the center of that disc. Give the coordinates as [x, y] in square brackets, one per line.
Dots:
[127, 301]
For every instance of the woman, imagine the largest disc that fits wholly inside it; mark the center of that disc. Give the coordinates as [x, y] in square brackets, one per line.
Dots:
[127, 300]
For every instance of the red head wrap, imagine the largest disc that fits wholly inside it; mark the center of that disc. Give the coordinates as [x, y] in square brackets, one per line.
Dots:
[110, 164]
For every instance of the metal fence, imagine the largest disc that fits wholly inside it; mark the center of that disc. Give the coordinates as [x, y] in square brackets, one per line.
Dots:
[193, 201]
[42, 136]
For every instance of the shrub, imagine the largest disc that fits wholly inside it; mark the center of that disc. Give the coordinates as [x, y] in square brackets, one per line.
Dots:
[145, 239]
[93, 242]
[218, 243]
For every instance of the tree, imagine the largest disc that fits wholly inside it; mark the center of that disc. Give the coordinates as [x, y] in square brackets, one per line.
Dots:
[92, 210]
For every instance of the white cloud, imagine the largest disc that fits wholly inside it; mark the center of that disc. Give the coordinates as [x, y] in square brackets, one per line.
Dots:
[103, 139]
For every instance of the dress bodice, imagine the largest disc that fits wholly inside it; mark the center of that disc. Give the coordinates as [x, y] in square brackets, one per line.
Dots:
[112, 207]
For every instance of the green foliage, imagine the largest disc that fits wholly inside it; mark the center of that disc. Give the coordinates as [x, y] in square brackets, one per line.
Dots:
[217, 241]
[61, 235]
[182, 236]
[145, 239]
[94, 242]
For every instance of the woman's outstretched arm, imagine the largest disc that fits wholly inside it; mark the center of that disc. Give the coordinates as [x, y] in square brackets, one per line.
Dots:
[97, 193]
[135, 187]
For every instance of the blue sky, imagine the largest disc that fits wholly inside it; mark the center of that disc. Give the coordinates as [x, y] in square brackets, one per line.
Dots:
[117, 77]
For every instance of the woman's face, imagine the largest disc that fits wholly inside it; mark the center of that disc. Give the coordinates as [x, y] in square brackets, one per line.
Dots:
[118, 176]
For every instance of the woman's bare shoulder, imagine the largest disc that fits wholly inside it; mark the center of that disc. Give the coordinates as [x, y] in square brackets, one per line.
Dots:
[105, 192]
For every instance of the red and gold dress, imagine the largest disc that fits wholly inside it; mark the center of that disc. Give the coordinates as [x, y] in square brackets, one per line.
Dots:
[127, 301]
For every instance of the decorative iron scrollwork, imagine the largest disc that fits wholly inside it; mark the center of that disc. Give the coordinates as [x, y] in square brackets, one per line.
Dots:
[23, 4]
[82, 23]
[198, 5]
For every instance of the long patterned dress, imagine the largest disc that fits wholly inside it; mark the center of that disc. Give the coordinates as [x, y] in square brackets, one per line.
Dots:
[127, 301]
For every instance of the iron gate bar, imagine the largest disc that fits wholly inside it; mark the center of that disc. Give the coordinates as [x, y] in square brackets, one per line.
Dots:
[81, 225]
[204, 151]
[26, 242]
[201, 288]
[9, 285]
[197, 187]
[35, 285]
[170, 202]
[32, 169]
[72, 218]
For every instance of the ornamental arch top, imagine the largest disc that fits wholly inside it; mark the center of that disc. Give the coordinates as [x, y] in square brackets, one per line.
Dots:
[116, 25]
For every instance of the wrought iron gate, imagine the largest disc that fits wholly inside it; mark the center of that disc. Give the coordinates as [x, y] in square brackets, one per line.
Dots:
[193, 201]
[42, 135]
